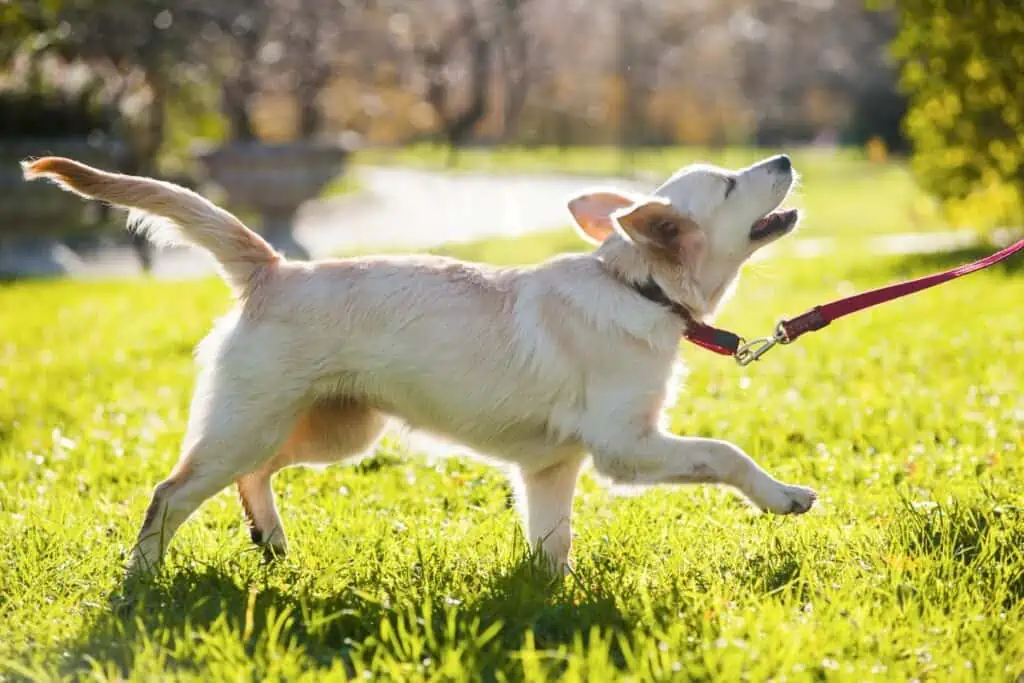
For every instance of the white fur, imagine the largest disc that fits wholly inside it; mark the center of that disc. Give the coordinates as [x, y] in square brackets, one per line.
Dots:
[536, 368]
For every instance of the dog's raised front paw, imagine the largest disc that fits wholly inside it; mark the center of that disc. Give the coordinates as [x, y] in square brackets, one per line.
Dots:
[790, 500]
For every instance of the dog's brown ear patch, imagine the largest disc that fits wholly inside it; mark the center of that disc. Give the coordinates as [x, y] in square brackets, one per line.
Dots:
[593, 211]
[658, 224]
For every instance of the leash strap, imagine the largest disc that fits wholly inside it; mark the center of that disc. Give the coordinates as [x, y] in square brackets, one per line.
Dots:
[727, 343]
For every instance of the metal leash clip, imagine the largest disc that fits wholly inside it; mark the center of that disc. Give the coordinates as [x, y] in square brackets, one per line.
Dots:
[749, 351]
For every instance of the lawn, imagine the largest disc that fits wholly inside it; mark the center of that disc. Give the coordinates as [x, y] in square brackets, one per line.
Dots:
[907, 420]
[845, 194]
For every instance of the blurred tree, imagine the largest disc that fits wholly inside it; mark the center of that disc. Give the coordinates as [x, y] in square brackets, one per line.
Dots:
[15, 27]
[289, 49]
[635, 72]
[130, 56]
[141, 53]
[452, 54]
[962, 66]
[243, 37]
[514, 61]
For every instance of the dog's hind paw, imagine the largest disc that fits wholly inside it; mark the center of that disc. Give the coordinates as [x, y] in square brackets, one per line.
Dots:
[273, 552]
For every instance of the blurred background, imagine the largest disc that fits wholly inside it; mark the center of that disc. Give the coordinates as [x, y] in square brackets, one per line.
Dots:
[342, 124]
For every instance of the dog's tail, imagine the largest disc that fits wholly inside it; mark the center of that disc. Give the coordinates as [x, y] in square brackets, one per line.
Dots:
[167, 214]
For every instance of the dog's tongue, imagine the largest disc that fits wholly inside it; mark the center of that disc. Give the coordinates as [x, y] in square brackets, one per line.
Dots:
[770, 222]
[765, 224]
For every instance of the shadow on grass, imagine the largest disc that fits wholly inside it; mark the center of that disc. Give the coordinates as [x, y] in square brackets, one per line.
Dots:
[350, 624]
[923, 263]
[985, 541]
[890, 269]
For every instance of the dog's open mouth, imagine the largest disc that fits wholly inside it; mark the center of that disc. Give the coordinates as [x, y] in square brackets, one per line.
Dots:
[775, 224]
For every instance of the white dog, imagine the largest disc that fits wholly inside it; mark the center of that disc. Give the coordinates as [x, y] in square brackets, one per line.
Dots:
[533, 367]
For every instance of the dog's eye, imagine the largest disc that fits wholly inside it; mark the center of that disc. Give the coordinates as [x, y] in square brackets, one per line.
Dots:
[730, 185]
[666, 231]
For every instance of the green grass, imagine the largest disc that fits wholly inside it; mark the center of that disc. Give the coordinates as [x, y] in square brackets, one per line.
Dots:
[907, 420]
[347, 183]
[843, 193]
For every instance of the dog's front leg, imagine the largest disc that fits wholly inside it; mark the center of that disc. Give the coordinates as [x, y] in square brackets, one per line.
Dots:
[657, 457]
[545, 502]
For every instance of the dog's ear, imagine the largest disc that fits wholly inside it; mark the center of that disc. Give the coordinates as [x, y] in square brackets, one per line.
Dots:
[656, 224]
[593, 211]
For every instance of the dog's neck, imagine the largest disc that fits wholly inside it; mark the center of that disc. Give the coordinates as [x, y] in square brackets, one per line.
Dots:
[624, 261]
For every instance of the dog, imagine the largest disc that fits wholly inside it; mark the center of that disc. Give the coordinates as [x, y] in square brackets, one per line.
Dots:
[539, 369]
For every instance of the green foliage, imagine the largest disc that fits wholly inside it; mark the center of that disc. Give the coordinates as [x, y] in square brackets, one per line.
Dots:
[23, 21]
[52, 114]
[192, 115]
[908, 421]
[878, 112]
[963, 61]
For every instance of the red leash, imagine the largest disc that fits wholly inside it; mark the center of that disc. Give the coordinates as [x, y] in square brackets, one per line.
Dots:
[787, 331]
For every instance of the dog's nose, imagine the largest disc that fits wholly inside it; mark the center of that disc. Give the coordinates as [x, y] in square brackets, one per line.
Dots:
[782, 163]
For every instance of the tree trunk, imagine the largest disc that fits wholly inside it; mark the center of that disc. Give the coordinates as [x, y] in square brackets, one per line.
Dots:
[237, 113]
[457, 127]
[513, 58]
[626, 57]
[309, 116]
[452, 158]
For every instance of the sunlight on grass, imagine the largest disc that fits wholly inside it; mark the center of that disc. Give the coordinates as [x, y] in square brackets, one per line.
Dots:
[907, 419]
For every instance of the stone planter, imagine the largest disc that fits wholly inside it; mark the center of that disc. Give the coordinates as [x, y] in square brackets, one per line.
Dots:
[35, 217]
[274, 180]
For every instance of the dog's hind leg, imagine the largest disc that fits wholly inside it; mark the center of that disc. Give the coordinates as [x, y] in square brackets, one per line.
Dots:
[257, 497]
[331, 430]
[236, 423]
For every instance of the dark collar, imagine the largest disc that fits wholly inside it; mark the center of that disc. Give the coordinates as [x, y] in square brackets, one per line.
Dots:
[653, 292]
[720, 341]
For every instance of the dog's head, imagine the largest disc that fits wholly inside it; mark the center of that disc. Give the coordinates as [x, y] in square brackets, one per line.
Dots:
[693, 234]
